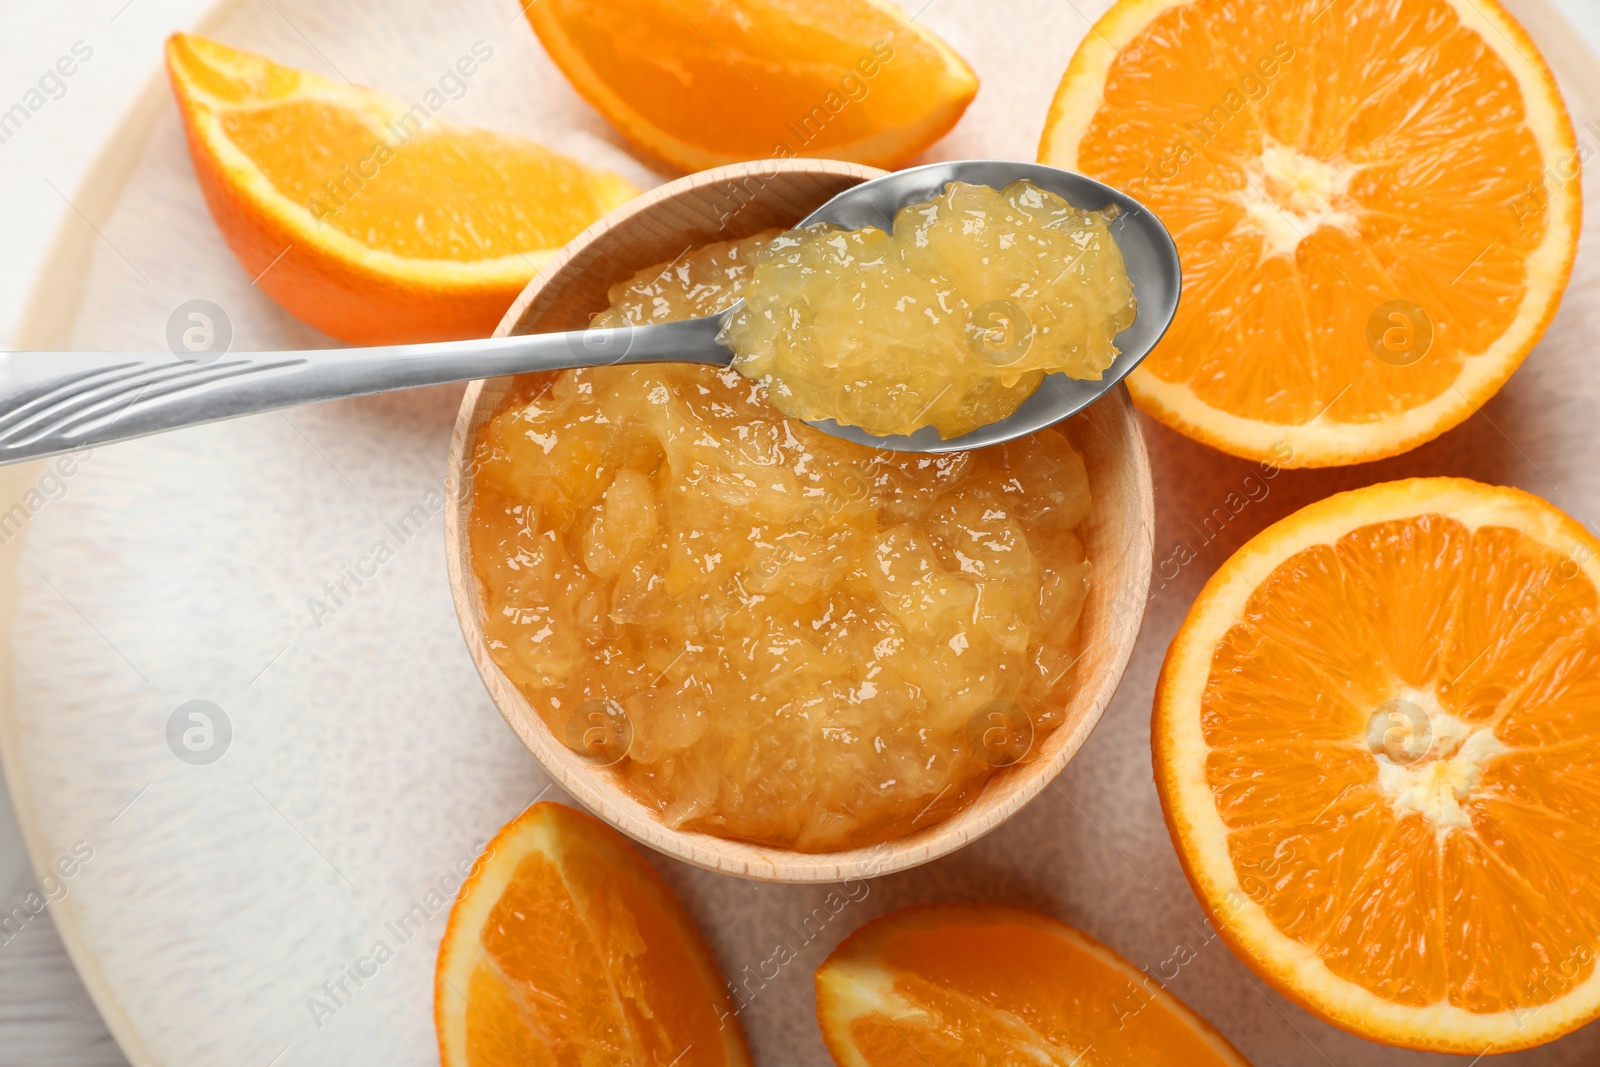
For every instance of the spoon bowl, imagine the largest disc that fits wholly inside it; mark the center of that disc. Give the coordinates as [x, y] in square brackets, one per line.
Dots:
[727, 204]
[1147, 249]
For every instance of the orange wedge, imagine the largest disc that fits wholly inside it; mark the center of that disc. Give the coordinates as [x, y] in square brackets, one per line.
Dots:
[1377, 744]
[700, 83]
[1376, 205]
[965, 985]
[565, 947]
[373, 221]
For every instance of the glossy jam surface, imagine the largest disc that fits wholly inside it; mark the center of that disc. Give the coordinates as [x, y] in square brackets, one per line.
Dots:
[950, 322]
[766, 632]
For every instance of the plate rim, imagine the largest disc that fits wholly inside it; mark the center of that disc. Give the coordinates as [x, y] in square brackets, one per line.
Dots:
[49, 310]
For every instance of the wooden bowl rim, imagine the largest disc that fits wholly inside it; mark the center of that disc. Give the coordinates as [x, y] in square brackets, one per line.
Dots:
[1003, 794]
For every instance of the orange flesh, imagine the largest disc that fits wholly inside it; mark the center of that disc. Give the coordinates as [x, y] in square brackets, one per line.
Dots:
[799, 632]
[441, 194]
[586, 958]
[372, 222]
[1383, 157]
[753, 80]
[971, 986]
[565, 947]
[1458, 868]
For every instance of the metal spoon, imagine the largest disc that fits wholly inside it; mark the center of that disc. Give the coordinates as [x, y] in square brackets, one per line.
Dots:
[52, 402]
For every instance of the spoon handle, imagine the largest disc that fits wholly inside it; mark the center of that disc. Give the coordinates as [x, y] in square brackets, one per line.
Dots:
[52, 402]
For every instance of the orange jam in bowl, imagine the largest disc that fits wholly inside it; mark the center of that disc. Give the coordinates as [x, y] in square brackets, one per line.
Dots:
[765, 632]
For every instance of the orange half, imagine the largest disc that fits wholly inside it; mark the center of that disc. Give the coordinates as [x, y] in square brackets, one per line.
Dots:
[1376, 205]
[968, 985]
[375, 222]
[565, 947]
[1377, 744]
[701, 83]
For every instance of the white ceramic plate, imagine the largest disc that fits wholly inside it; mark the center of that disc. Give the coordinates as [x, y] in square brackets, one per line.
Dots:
[208, 904]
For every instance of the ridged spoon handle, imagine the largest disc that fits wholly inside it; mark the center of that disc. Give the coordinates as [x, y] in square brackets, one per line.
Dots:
[52, 402]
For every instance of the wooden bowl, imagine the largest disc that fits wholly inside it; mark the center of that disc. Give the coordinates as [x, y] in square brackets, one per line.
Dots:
[719, 205]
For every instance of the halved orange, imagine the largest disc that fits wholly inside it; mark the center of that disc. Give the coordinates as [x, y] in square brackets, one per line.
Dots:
[700, 83]
[969, 985]
[1376, 205]
[374, 222]
[565, 947]
[1377, 744]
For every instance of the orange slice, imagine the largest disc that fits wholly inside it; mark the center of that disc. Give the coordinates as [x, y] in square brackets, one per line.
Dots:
[565, 947]
[700, 83]
[1376, 205]
[966, 985]
[1377, 744]
[371, 220]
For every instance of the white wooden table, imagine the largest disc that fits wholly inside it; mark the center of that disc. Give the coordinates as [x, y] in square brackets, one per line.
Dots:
[46, 1018]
